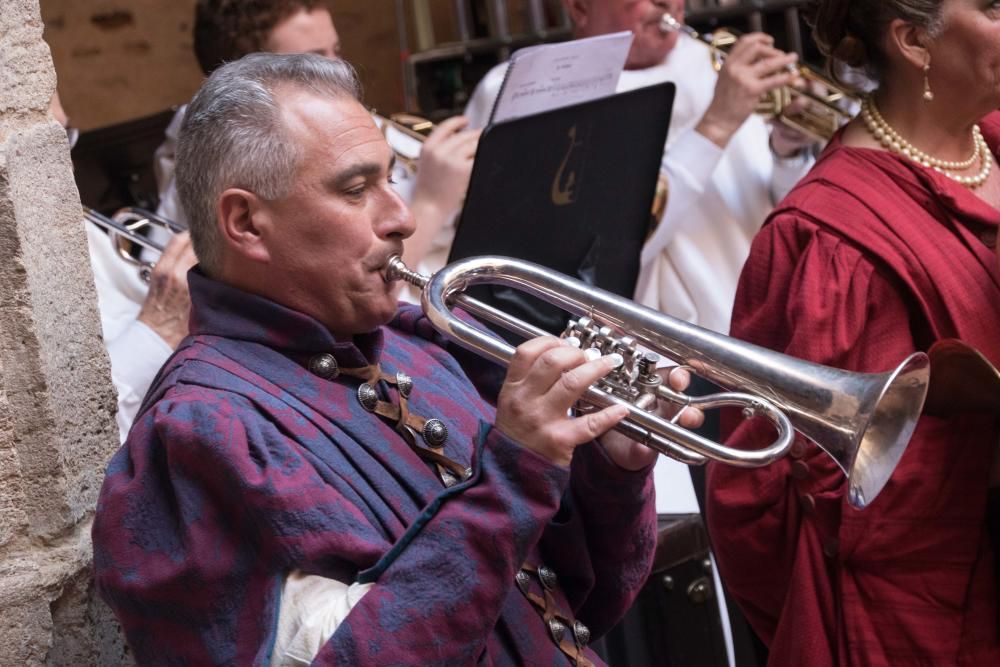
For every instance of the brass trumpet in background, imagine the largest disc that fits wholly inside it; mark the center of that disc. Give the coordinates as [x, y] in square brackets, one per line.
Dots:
[862, 420]
[410, 132]
[124, 232]
[823, 113]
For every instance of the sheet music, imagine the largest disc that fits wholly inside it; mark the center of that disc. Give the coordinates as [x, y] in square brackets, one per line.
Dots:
[550, 76]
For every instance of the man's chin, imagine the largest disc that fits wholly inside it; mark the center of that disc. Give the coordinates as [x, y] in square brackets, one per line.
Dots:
[386, 311]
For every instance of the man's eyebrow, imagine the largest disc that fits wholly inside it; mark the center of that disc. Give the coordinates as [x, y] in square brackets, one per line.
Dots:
[364, 169]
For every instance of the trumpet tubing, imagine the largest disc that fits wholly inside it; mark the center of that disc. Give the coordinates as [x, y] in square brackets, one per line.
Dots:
[123, 230]
[862, 420]
[405, 133]
[823, 112]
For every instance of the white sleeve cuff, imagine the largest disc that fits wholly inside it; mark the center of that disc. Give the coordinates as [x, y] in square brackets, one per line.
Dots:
[312, 607]
[692, 157]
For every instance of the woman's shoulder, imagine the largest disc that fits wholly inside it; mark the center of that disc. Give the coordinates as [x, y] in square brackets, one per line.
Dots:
[847, 190]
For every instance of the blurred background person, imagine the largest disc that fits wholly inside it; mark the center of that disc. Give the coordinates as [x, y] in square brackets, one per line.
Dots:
[886, 247]
[141, 323]
[725, 167]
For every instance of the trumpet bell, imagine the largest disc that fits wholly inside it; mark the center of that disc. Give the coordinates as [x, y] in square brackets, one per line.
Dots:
[963, 380]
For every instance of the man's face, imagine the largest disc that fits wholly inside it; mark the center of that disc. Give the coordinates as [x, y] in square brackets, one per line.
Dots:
[329, 237]
[642, 17]
[305, 32]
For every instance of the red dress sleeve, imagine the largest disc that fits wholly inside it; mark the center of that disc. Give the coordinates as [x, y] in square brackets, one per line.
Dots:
[809, 294]
[817, 578]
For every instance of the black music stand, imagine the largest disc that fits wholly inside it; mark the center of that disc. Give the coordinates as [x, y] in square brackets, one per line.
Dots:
[571, 189]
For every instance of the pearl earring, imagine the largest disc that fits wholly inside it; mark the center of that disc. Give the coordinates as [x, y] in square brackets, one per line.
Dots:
[928, 93]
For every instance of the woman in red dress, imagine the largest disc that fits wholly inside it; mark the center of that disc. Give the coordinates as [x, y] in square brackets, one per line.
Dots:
[885, 247]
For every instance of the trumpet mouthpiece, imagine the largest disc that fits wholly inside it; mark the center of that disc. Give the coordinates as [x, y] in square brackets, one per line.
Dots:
[668, 23]
[395, 270]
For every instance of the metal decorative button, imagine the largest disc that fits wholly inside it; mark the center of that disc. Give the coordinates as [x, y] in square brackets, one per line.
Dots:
[448, 477]
[435, 432]
[324, 365]
[367, 397]
[798, 449]
[523, 580]
[831, 547]
[557, 629]
[547, 577]
[582, 634]
[405, 384]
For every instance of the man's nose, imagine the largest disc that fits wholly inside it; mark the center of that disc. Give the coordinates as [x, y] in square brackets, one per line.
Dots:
[396, 221]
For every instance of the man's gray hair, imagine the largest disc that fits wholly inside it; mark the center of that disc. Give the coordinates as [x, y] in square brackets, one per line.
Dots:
[233, 136]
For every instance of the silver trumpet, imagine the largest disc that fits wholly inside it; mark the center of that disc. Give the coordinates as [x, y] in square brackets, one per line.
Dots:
[124, 232]
[862, 420]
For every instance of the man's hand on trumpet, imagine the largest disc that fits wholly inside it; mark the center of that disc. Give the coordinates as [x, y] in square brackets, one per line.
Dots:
[752, 68]
[546, 377]
[628, 453]
[167, 304]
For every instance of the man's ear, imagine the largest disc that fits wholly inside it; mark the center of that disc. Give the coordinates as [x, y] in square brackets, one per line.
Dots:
[242, 215]
[579, 13]
[907, 42]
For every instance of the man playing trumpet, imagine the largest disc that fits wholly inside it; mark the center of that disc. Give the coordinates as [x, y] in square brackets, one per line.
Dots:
[316, 475]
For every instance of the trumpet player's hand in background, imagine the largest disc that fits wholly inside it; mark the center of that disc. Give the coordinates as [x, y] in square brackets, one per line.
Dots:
[628, 453]
[545, 378]
[442, 181]
[751, 68]
[168, 301]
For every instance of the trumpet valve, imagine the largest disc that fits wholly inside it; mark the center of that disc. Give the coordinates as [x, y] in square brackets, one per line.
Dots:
[647, 365]
[753, 409]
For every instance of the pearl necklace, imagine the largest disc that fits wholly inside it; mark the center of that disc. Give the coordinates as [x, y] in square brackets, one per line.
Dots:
[891, 140]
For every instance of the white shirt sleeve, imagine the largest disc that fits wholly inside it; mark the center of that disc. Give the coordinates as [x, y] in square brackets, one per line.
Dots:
[312, 607]
[688, 163]
[135, 350]
[137, 354]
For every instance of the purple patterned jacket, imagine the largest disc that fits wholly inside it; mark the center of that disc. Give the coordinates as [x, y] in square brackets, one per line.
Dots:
[243, 466]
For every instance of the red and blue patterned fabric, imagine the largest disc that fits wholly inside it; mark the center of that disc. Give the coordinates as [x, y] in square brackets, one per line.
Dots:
[243, 466]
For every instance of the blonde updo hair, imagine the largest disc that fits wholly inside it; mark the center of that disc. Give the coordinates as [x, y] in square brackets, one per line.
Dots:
[850, 32]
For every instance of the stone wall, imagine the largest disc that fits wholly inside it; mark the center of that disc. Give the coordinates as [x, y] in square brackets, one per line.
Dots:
[124, 59]
[56, 400]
